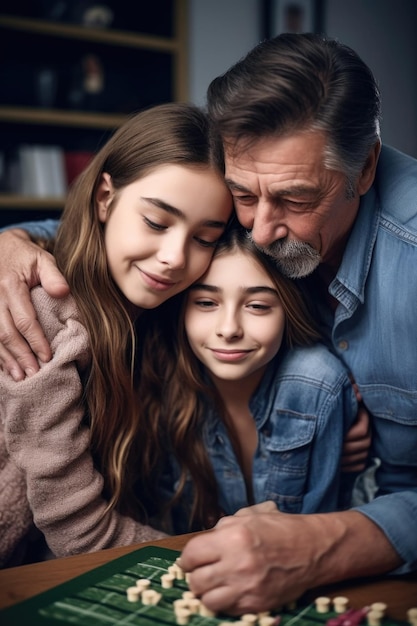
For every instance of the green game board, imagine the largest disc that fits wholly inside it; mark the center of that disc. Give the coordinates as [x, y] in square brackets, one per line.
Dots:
[98, 598]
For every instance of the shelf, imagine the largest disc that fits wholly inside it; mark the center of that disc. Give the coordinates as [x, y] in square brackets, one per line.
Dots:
[176, 45]
[140, 69]
[57, 117]
[105, 36]
[15, 201]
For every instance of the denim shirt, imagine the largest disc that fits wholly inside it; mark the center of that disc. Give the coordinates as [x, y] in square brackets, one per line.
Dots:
[37, 228]
[302, 409]
[374, 332]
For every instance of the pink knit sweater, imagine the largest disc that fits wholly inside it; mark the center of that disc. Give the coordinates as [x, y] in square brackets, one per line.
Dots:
[48, 447]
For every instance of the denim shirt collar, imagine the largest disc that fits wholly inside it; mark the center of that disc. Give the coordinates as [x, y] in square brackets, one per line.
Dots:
[348, 287]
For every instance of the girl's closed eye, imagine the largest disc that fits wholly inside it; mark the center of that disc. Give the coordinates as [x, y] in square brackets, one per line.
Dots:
[205, 243]
[154, 225]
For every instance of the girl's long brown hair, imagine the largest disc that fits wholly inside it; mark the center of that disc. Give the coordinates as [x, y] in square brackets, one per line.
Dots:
[179, 407]
[166, 134]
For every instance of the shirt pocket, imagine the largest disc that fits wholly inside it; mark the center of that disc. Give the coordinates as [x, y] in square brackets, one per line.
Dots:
[394, 424]
[288, 443]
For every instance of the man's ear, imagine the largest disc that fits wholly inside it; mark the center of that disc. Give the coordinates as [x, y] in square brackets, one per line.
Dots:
[104, 196]
[368, 173]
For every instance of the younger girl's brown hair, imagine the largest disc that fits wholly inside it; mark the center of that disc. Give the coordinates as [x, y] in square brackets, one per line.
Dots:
[181, 404]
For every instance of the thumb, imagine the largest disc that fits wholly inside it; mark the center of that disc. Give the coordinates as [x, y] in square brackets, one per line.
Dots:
[51, 278]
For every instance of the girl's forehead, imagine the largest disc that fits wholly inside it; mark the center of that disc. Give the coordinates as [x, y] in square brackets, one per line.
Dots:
[228, 257]
[239, 265]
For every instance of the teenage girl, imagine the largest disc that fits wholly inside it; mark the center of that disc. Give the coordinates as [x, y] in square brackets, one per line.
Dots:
[256, 408]
[140, 225]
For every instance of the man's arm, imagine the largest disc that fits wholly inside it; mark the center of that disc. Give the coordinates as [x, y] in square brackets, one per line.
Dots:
[254, 562]
[23, 265]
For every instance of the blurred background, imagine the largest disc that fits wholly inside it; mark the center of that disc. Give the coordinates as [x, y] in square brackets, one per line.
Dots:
[71, 70]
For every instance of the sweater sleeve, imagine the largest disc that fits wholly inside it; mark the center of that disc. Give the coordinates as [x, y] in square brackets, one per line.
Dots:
[49, 442]
[15, 513]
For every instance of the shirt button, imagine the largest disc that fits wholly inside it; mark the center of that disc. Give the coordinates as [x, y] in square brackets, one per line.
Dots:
[343, 345]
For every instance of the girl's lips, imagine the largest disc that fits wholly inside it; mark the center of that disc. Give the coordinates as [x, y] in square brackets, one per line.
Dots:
[230, 355]
[160, 284]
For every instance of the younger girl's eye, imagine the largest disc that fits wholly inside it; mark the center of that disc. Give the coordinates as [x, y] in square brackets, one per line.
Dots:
[257, 306]
[205, 304]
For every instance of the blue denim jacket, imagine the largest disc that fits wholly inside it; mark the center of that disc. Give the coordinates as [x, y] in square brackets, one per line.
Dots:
[302, 408]
[374, 331]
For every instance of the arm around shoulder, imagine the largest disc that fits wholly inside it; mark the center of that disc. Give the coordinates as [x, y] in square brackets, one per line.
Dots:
[23, 265]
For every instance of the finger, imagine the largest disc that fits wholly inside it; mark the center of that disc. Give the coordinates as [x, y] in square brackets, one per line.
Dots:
[10, 365]
[354, 463]
[361, 427]
[363, 421]
[51, 278]
[28, 338]
[361, 446]
[16, 356]
[230, 590]
[226, 520]
[224, 599]
[199, 551]
[262, 507]
[349, 468]
[355, 458]
[217, 590]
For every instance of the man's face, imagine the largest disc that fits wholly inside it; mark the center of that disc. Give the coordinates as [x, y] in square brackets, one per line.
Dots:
[299, 212]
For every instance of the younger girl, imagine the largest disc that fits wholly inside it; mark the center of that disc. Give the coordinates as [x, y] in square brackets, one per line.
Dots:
[256, 408]
[139, 226]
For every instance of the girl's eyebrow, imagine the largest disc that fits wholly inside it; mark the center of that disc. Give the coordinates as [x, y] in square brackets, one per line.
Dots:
[172, 210]
[262, 289]
[249, 290]
[160, 204]
[211, 288]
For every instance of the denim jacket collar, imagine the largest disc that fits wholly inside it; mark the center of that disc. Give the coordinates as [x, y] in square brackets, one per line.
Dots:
[260, 405]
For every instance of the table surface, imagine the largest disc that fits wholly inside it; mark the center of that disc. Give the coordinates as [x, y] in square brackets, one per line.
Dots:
[19, 583]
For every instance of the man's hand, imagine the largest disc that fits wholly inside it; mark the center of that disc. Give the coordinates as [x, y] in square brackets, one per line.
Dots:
[357, 443]
[24, 265]
[263, 507]
[255, 562]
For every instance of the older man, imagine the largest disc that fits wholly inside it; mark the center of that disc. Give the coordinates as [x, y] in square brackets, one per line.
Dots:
[299, 122]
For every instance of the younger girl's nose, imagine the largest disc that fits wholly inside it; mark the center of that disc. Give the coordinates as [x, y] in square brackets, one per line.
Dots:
[228, 327]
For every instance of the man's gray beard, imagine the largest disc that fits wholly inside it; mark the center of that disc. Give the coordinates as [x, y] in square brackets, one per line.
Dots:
[295, 259]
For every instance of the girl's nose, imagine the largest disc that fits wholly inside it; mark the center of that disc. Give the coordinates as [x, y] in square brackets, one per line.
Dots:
[174, 254]
[229, 327]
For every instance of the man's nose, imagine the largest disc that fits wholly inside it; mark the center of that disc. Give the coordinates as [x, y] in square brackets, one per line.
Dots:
[268, 224]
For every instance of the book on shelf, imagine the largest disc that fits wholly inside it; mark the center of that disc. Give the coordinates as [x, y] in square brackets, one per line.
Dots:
[41, 171]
